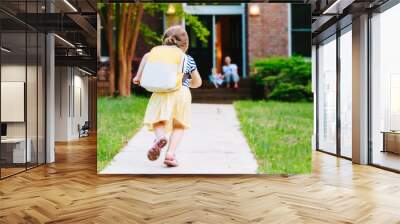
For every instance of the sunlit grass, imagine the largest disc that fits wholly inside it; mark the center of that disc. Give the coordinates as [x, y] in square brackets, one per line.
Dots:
[118, 120]
[279, 134]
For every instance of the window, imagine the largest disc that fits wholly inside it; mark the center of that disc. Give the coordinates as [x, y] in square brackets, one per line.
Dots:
[327, 95]
[22, 78]
[385, 89]
[346, 92]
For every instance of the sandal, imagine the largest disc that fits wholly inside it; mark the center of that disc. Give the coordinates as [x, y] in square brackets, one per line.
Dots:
[171, 162]
[155, 151]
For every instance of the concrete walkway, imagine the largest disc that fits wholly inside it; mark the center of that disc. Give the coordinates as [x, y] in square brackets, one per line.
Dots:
[214, 145]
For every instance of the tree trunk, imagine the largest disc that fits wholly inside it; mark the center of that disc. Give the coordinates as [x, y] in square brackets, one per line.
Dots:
[122, 77]
[131, 13]
[128, 32]
[111, 49]
[128, 77]
[131, 47]
[122, 50]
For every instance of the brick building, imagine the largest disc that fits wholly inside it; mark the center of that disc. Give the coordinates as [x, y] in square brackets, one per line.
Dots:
[268, 33]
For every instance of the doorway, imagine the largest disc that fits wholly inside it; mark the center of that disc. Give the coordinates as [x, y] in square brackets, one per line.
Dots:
[225, 39]
[228, 41]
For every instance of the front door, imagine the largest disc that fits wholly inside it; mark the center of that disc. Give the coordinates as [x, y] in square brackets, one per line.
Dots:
[225, 39]
[228, 40]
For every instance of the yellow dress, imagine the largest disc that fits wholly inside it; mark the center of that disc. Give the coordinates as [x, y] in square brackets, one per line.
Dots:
[169, 107]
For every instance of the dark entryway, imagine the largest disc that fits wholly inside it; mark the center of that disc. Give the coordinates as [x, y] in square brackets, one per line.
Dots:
[228, 42]
[202, 52]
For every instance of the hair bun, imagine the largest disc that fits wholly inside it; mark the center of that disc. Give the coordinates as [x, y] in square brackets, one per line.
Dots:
[170, 40]
[176, 36]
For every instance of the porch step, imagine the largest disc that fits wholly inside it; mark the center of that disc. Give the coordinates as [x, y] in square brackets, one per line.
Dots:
[245, 83]
[209, 94]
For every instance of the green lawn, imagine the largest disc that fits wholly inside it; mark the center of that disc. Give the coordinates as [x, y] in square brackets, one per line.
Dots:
[118, 120]
[279, 134]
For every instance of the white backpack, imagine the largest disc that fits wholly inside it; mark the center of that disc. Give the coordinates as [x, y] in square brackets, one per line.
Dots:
[163, 70]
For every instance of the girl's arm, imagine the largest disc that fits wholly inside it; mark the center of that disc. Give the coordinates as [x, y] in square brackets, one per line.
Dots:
[196, 79]
[139, 73]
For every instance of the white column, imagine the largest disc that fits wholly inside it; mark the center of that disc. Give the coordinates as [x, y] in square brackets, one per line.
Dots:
[99, 27]
[214, 42]
[50, 101]
[360, 90]
[63, 103]
[289, 29]
[314, 90]
[50, 92]
[244, 49]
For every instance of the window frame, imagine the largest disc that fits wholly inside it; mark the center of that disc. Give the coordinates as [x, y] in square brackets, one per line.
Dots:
[339, 32]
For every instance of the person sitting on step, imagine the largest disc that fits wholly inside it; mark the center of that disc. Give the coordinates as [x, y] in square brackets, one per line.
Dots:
[230, 72]
[216, 78]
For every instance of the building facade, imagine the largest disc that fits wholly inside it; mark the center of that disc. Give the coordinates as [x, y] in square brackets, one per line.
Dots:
[247, 32]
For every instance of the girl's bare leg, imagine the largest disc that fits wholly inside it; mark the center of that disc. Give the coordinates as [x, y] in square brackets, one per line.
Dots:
[174, 140]
[159, 129]
[159, 143]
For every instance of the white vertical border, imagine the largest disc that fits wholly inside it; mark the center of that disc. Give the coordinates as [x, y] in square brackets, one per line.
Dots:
[50, 98]
[244, 49]
[314, 91]
[213, 42]
[360, 90]
[99, 27]
[289, 10]
[363, 154]
[50, 92]
[164, 22]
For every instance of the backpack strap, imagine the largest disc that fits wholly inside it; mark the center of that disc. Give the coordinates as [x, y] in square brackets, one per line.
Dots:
[183, 62]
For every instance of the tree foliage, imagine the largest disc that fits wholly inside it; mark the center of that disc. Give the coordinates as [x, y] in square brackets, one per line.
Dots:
[123, 25]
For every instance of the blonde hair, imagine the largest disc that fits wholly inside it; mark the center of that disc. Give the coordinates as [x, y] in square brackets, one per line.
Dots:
[176, 35]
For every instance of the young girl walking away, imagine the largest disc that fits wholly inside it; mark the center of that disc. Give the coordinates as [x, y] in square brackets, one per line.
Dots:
[170, 112]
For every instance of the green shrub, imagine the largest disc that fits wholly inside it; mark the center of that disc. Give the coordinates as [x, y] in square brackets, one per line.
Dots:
[287, 79]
